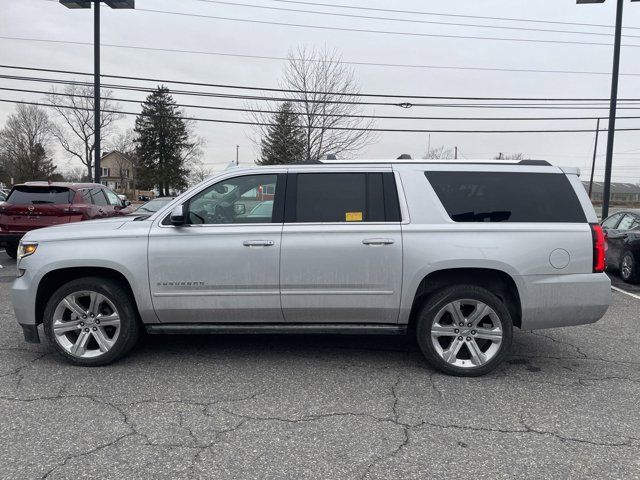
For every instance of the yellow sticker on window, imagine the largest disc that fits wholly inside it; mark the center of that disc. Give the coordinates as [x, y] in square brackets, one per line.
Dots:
[353, 216]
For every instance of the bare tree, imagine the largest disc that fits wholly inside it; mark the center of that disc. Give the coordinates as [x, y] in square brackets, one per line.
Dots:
[439, 153]
[511, 156]
[75, 132]
[324, 94]
[199, 173]
[24, 143]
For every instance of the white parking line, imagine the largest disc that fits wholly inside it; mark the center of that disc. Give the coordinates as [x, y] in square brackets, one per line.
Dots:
[637, 297]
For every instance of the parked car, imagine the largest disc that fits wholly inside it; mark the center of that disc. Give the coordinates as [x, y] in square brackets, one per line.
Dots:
[144, 198]
[622, 231]
[40, 204]
[456, 255]
[3, 196]
[153, 206]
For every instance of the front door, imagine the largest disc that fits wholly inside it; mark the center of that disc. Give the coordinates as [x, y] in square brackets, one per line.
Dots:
[224, 264]
[341, 248]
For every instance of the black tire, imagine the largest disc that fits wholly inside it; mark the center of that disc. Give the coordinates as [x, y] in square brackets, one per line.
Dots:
[12, 250]
[129, 323]
[428, 315]
[630, 274]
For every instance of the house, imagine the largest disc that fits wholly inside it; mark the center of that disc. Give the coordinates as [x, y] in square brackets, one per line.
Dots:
[620, 192]
[117, 172]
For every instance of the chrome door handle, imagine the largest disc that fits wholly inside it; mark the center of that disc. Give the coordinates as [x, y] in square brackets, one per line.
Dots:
[258, 243]
[377, 241]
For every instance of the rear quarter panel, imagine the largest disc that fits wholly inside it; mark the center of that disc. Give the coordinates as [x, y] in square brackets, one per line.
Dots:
[432, 242]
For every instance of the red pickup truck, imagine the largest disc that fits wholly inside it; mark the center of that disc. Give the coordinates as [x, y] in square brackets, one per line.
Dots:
[40, 204]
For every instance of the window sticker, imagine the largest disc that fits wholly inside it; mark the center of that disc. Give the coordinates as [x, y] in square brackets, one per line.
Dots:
[353, 216]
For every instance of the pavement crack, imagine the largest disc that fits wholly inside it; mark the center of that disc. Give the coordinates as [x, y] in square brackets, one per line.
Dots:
[560, 342]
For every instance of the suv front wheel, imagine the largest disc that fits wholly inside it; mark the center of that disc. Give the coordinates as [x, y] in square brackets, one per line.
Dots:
[464, 330]
[91, 321]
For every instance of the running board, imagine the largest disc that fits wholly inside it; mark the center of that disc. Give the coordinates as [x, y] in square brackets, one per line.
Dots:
[278, 328]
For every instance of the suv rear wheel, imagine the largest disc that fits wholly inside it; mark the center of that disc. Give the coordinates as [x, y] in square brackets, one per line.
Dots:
[464, 330]
[91, 321]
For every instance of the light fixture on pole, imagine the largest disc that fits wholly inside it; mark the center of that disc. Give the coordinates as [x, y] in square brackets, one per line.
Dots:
[118, 4]
[614, 102]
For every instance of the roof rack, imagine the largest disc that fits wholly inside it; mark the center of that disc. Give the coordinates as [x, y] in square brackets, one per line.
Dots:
[407, 159]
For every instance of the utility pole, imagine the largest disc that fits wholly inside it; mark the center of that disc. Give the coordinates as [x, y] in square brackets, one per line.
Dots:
[96, 90]
[595, 154]
[612, 111]
[237, 155]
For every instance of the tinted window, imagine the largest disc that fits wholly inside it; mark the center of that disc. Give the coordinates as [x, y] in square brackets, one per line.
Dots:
[248, 199]
[612, 221]
[507, 197]
[30, 195]
[339, 197]
[97, 197]
[629, 222]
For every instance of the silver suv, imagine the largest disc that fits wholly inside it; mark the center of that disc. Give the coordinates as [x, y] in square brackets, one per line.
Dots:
[456, 255]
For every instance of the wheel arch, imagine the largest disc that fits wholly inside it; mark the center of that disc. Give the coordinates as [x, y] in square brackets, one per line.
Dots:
[54, 279]
[496, 281]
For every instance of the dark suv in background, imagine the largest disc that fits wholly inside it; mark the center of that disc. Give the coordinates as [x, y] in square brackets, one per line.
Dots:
[40, 204]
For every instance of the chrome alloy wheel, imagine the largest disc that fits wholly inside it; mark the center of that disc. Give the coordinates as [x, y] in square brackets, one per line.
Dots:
[86, 324]
[626, 267]
[467, 333]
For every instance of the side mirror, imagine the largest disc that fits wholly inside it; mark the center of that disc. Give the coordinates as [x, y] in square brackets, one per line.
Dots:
[177, 216]
[126, 203]
[239, 209]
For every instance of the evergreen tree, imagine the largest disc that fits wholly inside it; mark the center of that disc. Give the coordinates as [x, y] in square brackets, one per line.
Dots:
[162, 144]
[284, 140]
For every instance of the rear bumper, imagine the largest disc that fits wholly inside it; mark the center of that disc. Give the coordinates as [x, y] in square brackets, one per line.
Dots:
[550, 301]
[10, 238]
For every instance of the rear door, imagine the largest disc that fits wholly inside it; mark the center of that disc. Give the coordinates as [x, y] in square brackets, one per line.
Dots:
[29, 207]
[99, 200]
[341, 259]
[609, 226]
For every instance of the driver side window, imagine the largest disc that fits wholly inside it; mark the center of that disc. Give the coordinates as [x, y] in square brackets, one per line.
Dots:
[248, 199]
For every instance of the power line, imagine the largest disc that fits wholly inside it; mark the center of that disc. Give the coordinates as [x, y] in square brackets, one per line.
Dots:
[341, 62]
[379, 32]
[285, 90]
[413, 20]
[439, 14]
[372, 117]
[380, 130]
[628, 105]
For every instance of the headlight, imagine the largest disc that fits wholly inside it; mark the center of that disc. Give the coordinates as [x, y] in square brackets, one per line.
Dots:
[26, 248]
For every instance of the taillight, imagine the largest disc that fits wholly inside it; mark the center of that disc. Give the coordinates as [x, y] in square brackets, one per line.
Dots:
[597, 234]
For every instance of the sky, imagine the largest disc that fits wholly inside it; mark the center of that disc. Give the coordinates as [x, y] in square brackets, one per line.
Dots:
[234, 36]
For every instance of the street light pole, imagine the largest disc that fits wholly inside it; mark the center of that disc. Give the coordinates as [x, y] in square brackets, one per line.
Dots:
[116, 4]
[96, 89]
[612, 111]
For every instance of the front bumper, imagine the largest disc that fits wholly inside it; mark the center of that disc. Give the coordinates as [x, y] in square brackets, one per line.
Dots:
[550, 301]
[23, 298]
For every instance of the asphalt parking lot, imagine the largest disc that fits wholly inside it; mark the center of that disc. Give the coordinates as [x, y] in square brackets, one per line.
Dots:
[565, 405]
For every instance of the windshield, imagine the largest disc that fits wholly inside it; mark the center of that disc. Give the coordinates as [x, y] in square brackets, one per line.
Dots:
[31, 195]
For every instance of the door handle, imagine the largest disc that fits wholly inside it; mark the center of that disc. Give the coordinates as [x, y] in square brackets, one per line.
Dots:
[377, 241]
[258, 243]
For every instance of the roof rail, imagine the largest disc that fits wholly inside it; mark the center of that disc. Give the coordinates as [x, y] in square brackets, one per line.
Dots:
[542, 163]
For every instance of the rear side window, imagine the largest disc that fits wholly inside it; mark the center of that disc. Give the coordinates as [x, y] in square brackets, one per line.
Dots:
[341, 197]
[31, 195]
[97, 197]
[507, 197]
